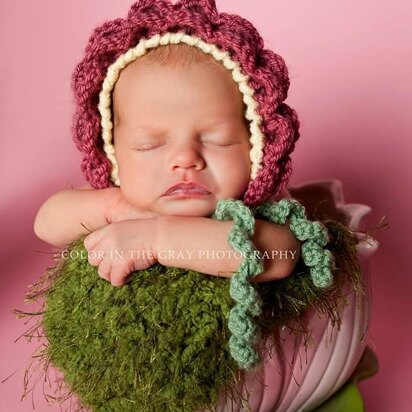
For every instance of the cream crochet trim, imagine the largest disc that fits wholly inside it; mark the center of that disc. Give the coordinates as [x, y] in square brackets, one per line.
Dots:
[113, 72]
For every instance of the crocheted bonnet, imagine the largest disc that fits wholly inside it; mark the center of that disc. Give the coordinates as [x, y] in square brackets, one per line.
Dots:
[261, 75]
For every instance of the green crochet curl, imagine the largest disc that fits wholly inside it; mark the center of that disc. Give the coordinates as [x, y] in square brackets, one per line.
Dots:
[248, 304]
[313, 234]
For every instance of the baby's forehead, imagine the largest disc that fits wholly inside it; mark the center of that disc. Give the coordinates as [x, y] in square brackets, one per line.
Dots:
[179, 57]
[175, 57]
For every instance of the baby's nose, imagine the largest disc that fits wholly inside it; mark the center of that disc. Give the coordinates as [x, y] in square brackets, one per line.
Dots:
[187, 156]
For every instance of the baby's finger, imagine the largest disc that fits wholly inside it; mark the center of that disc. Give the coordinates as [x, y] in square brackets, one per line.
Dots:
[95, 256]
[118, 279]
[104, 270]
[119, 274]
[90, 241]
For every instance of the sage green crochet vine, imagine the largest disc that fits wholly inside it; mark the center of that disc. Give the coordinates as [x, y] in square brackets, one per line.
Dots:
[247, 300]
[248, 303]
[313, 234]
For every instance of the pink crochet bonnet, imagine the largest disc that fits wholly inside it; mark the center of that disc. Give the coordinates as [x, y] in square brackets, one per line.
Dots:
[260, 73]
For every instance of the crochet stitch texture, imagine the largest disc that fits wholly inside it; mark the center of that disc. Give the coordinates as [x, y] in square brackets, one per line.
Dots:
[267, 73]
[247, 301]
[313, 234]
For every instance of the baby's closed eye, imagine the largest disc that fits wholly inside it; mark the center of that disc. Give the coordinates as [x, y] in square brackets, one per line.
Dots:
[146, 143]
[145, 148]
[212, 140]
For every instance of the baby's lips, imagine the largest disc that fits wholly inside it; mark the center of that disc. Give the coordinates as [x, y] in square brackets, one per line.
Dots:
[188, 187]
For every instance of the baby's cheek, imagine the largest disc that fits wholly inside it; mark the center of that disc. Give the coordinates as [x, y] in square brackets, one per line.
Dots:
[134, 192]
[236, 183]
[236, 171]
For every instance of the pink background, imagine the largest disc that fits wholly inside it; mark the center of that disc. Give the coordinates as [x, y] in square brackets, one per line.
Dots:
[350, 65]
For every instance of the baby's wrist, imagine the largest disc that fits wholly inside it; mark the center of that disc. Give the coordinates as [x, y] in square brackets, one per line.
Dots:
[162, 227]
[113, 196]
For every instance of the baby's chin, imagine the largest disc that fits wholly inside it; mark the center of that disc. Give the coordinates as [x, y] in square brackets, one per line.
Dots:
[193, 207]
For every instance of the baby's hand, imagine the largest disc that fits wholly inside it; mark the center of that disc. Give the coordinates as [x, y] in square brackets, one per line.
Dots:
[121, 248]
[120, 209]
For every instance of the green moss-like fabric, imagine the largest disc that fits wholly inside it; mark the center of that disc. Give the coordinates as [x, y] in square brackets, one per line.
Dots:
[154, 344]
[160, 343]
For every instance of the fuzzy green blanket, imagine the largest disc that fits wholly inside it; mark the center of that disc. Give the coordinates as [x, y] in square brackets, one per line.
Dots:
[160, 343]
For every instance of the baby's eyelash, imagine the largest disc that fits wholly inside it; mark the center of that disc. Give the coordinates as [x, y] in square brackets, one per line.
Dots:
[207, 142]
[217, 143]
[145, 149]
[145, 146]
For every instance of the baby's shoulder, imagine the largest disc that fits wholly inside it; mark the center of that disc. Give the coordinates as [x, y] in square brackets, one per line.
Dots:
[87, 186]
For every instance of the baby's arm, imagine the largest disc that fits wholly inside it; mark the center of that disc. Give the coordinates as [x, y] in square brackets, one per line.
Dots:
[179, 241]
[195, 243]
[179, 234]
[61, 218]
[68, 214]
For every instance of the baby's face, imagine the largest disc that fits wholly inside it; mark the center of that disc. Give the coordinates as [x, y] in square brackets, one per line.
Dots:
[177, 124]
